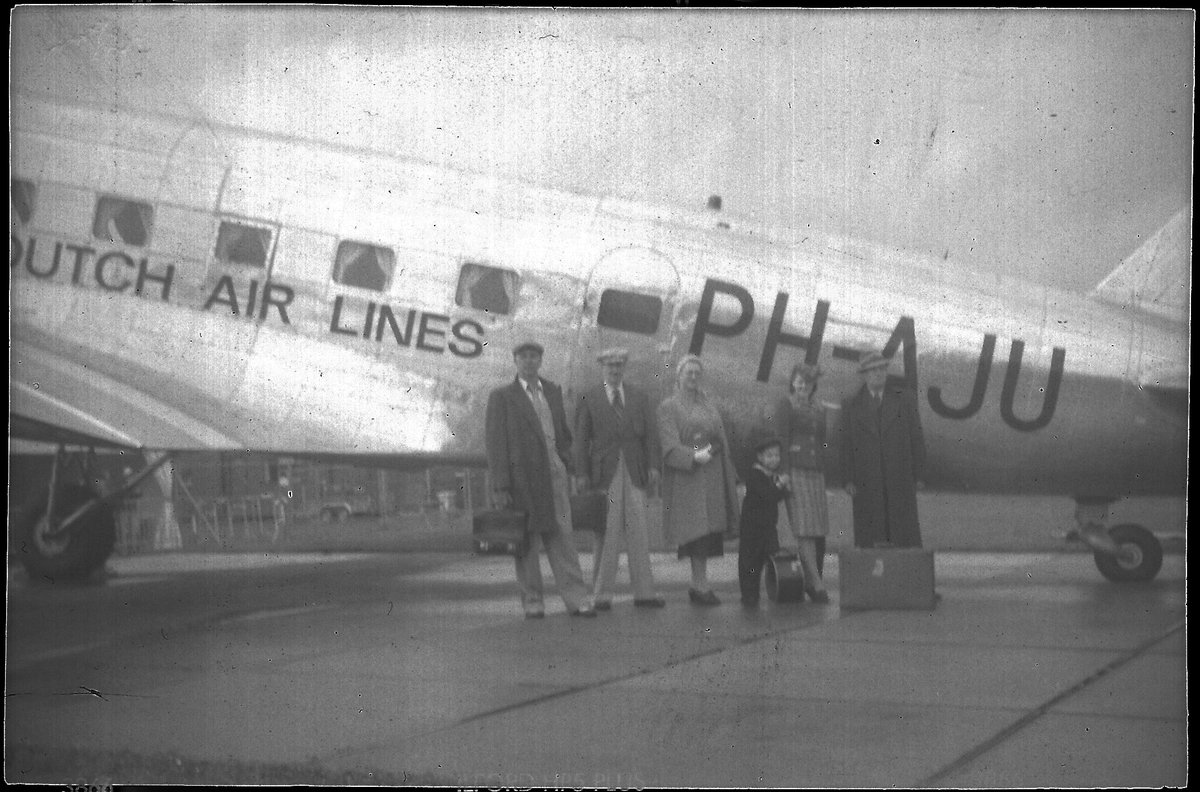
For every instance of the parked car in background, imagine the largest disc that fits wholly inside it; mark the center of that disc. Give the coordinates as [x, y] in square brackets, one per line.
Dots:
[342, 508]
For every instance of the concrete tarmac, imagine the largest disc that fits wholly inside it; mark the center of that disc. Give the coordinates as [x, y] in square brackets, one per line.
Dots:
[1033, 671]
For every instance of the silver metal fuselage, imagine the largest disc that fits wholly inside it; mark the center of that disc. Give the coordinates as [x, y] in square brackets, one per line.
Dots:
[1021, 388]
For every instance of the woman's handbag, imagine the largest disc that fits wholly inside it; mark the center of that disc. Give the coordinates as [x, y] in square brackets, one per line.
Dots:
[589, 511]
[500, 532]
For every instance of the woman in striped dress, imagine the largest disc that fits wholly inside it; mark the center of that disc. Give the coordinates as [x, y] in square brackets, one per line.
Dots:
[802, 429]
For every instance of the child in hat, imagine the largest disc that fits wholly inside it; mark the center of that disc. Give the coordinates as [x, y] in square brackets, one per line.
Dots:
[757, 537]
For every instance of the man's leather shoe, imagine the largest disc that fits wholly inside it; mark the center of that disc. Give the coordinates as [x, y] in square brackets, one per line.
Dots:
[650, 602]
[587, 613]
[703, 597]
[603, 605]
[535, 614]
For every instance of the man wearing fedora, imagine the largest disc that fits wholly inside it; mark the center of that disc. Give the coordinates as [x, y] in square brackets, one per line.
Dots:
[528, 453]
[617, 450]
[883, 458]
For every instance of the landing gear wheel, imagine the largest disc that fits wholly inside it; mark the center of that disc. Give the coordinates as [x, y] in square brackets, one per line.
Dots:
[73, 554]
[1139, 555]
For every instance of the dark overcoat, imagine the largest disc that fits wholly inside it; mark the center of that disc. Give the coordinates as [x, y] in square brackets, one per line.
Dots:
[516, 450]
[602, 435]
[883, 455]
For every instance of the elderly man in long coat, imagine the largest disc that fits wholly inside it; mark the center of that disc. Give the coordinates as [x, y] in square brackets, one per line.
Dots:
[883, 458]
[529, 452]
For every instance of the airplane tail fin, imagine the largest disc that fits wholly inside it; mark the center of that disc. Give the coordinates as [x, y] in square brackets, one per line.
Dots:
[1156, 278]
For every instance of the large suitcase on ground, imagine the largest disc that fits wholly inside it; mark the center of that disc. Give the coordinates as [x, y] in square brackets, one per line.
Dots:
[500, 532]
[886, 578]
[785, 578]
[589, 511]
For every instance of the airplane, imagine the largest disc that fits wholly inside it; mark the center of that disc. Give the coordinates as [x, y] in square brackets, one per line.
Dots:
[178, 285]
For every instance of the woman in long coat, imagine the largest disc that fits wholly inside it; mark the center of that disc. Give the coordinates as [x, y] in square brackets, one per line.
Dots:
[802, 430]
[699, 490]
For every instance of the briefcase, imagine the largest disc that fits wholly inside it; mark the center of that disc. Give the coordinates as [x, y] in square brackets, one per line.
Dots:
[785, 578]
[886, 579]
[500, 532]
[589, 511]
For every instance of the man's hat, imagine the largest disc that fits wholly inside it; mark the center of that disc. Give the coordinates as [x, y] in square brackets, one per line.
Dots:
[872, 360]
[613, 354]
[529, 345]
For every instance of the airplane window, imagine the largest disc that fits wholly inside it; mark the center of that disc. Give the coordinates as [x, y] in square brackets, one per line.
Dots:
[486, 288]
[122, 220]
[23, 197]
[636, 313]
[243, 244]
[365, 266]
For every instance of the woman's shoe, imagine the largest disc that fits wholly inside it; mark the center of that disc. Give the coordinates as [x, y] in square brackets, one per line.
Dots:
[703, 597]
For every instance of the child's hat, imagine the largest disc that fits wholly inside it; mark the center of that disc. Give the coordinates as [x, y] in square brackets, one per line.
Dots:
[765, 440]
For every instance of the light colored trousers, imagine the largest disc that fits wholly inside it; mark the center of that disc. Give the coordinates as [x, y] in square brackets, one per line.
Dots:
[625, 530]
[560, 551]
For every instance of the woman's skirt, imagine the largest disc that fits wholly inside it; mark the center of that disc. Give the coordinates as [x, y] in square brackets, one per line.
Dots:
[807, 505]
[707, 546]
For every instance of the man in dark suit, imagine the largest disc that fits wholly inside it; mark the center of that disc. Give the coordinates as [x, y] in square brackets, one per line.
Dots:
[883, 458]
[617, 450]
[528, 452]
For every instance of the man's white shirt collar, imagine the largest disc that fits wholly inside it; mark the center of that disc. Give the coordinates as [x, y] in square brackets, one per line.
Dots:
[530, 387]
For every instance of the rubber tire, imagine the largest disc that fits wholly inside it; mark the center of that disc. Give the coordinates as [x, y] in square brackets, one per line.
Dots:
[88, 544]
[1148, 546]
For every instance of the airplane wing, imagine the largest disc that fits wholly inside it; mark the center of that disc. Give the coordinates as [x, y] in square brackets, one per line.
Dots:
[58, 397]
[54, 397]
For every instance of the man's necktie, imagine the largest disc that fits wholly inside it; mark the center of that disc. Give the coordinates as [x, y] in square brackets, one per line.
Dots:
[617, 405]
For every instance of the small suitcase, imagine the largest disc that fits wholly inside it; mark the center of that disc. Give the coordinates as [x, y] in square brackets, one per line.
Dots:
[886, 579]
[500, 532]
[785, 578]
[589, 511]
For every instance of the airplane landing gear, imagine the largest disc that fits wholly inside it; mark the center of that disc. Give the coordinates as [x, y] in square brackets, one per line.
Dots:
[48, 551]
[1125, 553]
[70, 531]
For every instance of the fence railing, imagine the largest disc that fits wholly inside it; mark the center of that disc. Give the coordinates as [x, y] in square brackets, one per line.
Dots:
[258, 517]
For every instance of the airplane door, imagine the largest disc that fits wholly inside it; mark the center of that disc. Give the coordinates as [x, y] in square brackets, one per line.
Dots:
[631, 299]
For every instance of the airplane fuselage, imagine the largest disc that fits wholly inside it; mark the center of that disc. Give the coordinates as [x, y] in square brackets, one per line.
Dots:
[169, 336]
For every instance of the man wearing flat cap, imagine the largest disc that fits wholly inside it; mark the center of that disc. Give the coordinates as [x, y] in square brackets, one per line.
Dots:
[617, 450]
[883, 458]
[528, 452]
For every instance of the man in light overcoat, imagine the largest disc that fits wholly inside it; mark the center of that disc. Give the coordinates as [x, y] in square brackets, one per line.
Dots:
[617, 450]
[528, 452]
[883, 458]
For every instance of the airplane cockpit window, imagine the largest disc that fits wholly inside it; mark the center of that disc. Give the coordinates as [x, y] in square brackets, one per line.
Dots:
[486, 288]
[23, 199]
[635, 313]
[122, 220]
[365, 266]
[247, 245]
